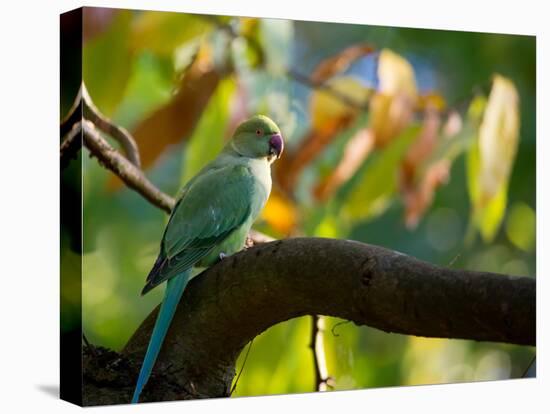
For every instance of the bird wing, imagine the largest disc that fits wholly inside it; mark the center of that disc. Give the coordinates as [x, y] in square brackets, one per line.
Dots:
[209, 210]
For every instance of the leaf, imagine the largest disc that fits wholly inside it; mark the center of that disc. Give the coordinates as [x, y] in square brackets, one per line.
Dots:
[490, 158]
[329, 116]
[498, 136]
[106, 63]
[487, 216]
[357, 149]
[175, 121]
[162, 32]
[280, 213]
[395, 75]
[491, 215]
[149, 86]
[521, 226]
[378, 182]
[340, 62]
[328, 112]
[208, 137]
[393, 104]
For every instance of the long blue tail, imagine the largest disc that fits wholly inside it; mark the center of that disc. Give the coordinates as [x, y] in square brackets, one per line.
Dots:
[172, 295]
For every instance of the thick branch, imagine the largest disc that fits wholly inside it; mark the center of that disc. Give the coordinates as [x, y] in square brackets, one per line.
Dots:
[232, 302]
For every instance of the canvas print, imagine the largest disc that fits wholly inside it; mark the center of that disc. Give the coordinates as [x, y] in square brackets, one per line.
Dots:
[254, 206]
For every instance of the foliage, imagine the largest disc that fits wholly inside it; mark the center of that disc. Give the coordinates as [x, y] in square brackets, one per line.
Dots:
[386, 144]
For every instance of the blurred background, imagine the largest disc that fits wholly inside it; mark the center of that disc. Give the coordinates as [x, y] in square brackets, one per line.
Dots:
[418, 140]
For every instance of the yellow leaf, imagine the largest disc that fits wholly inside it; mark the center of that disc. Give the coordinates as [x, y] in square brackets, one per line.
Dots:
[395, 74]
[498, 137]
[392, 106]
[491, 157]
[280, 213]
[327, 111]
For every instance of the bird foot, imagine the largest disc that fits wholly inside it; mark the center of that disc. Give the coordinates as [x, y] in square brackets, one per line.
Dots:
[248, 243]
[222, 256]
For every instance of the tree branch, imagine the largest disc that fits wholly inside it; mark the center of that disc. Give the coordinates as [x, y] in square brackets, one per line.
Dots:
[73, 126]
[232, 302]
[322, 379]
[71, 145]
[83, 107]
[119, 133]
[122, 167]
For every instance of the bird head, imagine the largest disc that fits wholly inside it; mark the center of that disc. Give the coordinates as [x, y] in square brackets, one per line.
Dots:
[258, 137]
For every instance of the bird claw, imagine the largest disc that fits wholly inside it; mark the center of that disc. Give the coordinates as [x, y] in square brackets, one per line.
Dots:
[222, 256]
[248, 243]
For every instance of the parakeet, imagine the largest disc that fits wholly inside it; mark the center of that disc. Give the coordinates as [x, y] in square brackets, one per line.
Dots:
[211, 219]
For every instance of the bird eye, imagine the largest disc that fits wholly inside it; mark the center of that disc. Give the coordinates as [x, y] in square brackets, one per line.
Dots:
[258, 132]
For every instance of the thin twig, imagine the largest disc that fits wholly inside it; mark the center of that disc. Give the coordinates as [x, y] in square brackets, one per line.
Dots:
[70, 145]
[83, 107]
[117, 132]
[344, 98]
[333, 329]
[113, 160]
[73, 116]
[242, 368]
[532, 364]
[88, 345]
[132, 176]
[322, 379]
[290, 72]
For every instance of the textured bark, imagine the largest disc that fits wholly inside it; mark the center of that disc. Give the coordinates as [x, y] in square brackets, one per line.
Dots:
[232, 302]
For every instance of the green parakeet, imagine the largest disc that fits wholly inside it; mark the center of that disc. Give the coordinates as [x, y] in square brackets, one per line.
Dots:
[211, 219]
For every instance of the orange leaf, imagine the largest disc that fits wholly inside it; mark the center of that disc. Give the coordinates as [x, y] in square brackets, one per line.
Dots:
[175, 121]
[280, 213]
[356, 151]
[339, 62]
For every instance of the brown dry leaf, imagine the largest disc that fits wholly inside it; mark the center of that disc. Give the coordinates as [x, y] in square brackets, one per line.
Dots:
[393, 105]
[417, 192]
[418, 199]
[339, 62]
[356, 151]
[423, 146]
[280, 213]
[174, 122]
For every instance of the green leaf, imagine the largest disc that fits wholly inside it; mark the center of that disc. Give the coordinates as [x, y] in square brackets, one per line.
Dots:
[491, 216]
[486, 216]
[472, 171]
[208, 136]
[521, 226]
[378, 181]
[149, 86]
[107, 62]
